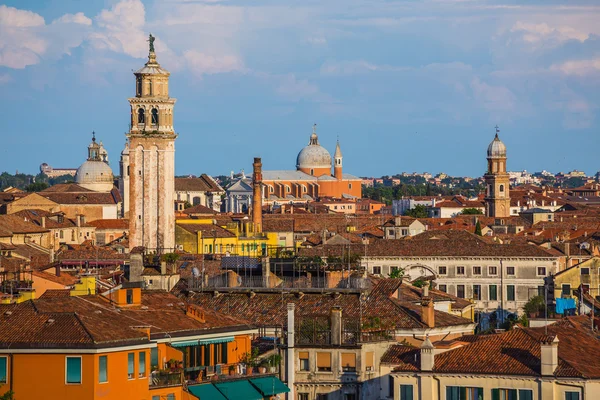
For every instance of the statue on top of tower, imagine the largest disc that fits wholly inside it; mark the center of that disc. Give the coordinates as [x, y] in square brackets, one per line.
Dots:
[151, 40]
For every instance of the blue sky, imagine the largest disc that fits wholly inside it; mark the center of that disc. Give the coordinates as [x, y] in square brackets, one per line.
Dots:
[405, 85]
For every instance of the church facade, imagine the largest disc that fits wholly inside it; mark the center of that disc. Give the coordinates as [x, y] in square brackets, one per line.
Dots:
[313, 177]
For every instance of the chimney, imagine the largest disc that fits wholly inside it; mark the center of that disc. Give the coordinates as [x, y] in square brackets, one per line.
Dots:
[43, 222]
[163, 268]
[427, 355]
[257, 195]
[427, 311]
[78, 221]
[549, 355]
[336, 325]
[290, 361]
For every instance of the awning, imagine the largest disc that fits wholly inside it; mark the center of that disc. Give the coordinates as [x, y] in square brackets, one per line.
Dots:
[239, 390]
[226, 339]
[206, 392]
[202, 342]
[269, 385]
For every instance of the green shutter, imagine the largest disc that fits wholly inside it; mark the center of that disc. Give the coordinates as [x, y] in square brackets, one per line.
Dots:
[73, 369]
[406, 392]
[154, 357]
[224, 354]
[452, 393]
[103, 369]
[495, 394]
[463, 393]
[207, 355]
[142, 362]
[130, 364]
[525, 394]
[3, 369]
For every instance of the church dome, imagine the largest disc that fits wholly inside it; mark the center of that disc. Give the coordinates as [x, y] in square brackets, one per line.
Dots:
[496, 148]
[95, 173]
[313, 155]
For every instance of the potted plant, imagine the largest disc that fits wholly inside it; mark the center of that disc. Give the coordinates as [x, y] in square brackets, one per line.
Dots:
[232, 370]
[273, 361]
[172, 363]
[262, 367]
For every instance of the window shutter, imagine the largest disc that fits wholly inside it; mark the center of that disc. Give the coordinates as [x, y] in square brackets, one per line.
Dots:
[224, 353]
[207, 355]
[303, 355]
[323, 360]
[525, 394]
[369, 360]
[349, 360]
[495, 394]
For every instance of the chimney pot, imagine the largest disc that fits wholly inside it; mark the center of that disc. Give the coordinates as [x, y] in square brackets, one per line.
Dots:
[549, 356]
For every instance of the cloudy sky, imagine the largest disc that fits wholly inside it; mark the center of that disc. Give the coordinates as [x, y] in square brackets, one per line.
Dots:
[405, 85]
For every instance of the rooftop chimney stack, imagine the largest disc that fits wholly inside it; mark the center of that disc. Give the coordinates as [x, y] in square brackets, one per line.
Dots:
[427, 310]
[549, 356]
[427, 355]
[257, 195]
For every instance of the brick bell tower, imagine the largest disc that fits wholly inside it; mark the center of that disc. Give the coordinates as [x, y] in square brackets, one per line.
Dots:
[151, 168]
[497, 197]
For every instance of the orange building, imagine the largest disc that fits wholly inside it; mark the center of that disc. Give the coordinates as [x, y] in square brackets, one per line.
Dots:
[312, 178]
[125, 344]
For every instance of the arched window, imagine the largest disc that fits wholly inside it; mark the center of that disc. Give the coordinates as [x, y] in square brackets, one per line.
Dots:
[154, 116]
[139, 87]
[141, 116]
[501, 188]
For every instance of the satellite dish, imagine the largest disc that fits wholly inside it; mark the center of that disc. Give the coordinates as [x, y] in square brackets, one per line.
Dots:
[584, 246]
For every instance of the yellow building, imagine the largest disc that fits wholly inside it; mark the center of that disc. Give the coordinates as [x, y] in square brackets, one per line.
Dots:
[585, 275]
[204, 236]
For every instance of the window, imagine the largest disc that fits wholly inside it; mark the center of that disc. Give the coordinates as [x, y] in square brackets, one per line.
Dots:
[102, 369]
[349, 186]
[323, 361]
[571, 395]
[154, 357]
[541, 271]
[141, 116]
[74, 370]
[376, 270]
[443, 288]
[302, 396]
[130, 365]
[510, 292]
[566, 289]
[303, 357]
[442, 270]
[369, 360]
[348, 362]
[155, 397]
[585, 271]
[460, 270]
[501, 188]
[476, 292]
[460, 291]
[510, 270]
[493, 292]
[3, 369]
[463, 393]
[390, 386]
[154, 116]
[525, 394]
[171, 396]
[492, 270]
[406, 392]
[476, 270]
[142, 364]
[321, 396]
[62, 234]
[129, 296]
[504, 394]
[394, 271]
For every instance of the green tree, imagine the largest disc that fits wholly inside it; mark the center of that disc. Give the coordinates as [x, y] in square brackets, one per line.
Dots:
[8, 395]
[478, 229]
[36, 187]
[471, 211]
[397, 273]
[420, 211]
[419, 283]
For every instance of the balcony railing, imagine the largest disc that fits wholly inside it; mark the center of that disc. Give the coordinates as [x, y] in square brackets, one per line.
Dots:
[160, 379]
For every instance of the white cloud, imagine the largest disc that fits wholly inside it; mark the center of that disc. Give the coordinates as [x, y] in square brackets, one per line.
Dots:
[25, 38]
[499, 100]
[200, 63]
[121, 29]
[578, 67]
[535, 33]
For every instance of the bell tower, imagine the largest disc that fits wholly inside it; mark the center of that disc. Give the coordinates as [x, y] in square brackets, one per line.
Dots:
[151, 169]
[497, 197]
[337, 162]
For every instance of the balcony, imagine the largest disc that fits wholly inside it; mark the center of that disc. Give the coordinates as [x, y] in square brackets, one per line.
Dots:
[160, 379]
